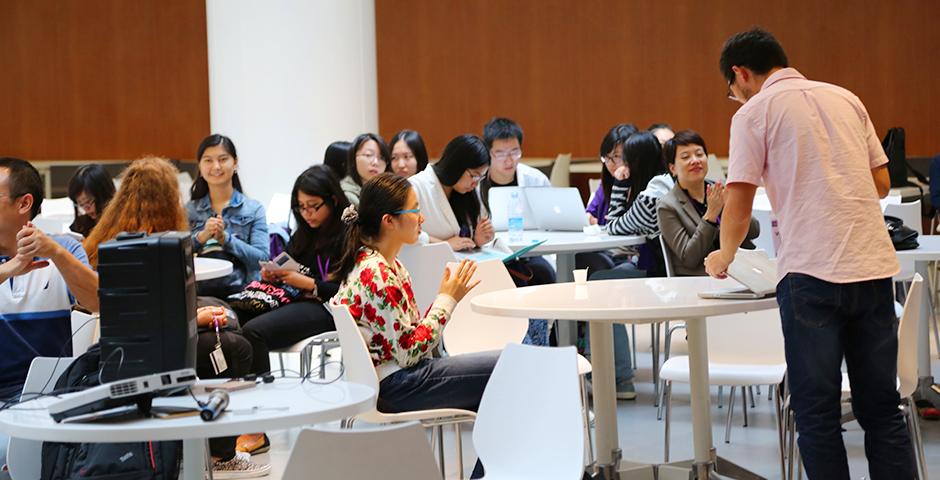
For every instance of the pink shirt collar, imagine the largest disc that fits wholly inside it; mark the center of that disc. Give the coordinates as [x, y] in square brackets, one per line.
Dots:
[782, 74]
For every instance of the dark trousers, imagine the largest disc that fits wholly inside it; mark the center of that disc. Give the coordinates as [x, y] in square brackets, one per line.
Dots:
[824, 323]
[284, 327]
[446, 382]
[237, 352]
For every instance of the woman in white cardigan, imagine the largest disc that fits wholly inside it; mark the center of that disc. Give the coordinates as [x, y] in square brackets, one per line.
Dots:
[452, 209]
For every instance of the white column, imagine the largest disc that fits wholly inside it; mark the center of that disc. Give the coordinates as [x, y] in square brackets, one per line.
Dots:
[287, 78]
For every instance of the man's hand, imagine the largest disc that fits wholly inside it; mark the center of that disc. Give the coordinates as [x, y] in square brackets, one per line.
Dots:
[33, 242]
[20, 265]
[716, 264]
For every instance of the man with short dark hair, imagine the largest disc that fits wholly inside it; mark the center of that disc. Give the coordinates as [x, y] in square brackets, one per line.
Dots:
[503, 137]
[815, 150]
[40, 278]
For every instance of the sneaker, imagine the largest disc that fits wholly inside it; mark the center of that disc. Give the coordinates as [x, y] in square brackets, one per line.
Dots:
[240, 466]
[626, 391]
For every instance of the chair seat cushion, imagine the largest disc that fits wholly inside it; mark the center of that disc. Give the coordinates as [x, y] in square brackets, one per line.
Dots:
[676, 369]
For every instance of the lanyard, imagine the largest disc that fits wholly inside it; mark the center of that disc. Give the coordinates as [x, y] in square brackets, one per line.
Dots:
[323, 269]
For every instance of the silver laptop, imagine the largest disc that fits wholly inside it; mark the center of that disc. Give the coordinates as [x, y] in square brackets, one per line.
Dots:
[754, 270]
[559, 209]
[498, 198]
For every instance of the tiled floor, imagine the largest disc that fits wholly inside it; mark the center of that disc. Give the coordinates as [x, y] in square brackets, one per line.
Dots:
[641, 435]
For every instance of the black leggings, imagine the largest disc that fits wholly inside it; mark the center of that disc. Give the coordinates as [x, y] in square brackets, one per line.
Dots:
[238, 356]
[284, 327]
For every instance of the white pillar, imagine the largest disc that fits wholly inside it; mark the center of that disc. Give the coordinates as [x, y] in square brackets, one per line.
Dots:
[287, 78]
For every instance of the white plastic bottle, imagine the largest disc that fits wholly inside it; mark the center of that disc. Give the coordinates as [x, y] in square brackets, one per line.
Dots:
[516, 222]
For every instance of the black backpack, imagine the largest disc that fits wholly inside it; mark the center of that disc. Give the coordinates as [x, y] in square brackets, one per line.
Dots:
[111, 461]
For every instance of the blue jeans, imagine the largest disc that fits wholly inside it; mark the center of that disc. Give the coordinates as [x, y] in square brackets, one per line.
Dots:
[823, 323]
[447, 382]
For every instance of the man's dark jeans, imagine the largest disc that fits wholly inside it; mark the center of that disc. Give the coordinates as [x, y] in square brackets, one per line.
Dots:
[823, 323]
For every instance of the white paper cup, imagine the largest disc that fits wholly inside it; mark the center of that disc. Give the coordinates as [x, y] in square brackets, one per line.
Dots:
[580, 276]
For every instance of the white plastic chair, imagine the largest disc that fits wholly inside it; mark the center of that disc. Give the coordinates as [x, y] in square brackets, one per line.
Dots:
[715, 172]
[764, 241]
[529, 424]
[470, 332]
[561, 171]
[24, 457]
[907, 384]
[744, 350]
[278, 209]
[84, 331]
[358, 367]
[392, 452]
[426, 265]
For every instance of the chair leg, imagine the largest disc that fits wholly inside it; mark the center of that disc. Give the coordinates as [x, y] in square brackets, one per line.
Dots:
[459, 443]
[655, 352]
[917, 441]
[757, 389]
[720, 393]
[744, 404]
[778, 414]
[667, 400]
[730, 413]
[439, 430]
[633, 342]
[586, 408]
[750, 391]
[280, 361]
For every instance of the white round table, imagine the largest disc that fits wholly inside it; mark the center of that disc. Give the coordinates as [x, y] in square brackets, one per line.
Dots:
[642, 300]
[209, 268]
[286, 403]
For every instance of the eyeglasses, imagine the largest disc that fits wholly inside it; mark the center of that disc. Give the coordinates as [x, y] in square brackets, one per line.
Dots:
[370, 156]
[514, 154]
[86, 205]
[731, 95]
[413, 210]
[309, 208]
[617, 159]
[476, 178]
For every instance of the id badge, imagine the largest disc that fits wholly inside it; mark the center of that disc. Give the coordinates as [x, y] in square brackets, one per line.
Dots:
[218, 361]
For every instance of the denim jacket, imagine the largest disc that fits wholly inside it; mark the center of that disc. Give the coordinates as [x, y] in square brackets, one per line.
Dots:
[246, 229]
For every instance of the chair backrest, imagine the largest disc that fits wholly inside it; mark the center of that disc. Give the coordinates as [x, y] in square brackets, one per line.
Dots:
[394, 452]
[468, 331]
[425, 264]
[909, 213]
[890, 200]
[907, 338]
[561, 171]
[754, 338]
[715, 172]
[764, 241]
[667, 258]
[278, 209]
[84, 332]
[529, 424]
[24, 457]
[593, 184]
[357, 364]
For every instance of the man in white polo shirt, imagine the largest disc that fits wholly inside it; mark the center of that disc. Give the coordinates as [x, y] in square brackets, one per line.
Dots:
[815, 149]
[40, 278]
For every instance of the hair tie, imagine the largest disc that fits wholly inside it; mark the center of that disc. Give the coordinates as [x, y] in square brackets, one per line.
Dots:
[350, 215]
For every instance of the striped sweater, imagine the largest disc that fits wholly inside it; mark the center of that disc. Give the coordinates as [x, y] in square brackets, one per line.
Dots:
[638, 217]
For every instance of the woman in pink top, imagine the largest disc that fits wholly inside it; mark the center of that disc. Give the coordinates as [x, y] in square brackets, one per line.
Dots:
[377, 290]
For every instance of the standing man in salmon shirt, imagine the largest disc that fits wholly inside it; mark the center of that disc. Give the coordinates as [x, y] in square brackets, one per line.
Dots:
[814, 148]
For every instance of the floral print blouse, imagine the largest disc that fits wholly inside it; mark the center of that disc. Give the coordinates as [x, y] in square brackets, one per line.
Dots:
[380, 299]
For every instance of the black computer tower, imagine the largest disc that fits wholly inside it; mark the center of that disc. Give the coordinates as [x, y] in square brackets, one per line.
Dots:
[147, 289]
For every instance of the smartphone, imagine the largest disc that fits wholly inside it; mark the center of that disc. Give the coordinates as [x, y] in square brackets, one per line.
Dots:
[280, 262]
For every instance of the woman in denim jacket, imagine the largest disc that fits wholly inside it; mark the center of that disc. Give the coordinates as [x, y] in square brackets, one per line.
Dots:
[220, 212]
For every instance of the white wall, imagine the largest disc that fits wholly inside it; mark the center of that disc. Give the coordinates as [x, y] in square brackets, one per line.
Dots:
[287, 78]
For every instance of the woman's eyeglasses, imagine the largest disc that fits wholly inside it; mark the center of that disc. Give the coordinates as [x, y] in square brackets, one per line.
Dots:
[309, 208]
[411, 210]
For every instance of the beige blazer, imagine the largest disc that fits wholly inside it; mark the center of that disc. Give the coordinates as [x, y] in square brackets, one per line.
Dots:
[689, 238]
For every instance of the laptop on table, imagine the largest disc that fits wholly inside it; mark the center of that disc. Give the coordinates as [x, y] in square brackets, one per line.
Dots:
[755, 271]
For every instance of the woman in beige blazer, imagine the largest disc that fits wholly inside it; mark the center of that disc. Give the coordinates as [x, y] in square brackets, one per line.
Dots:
[690, 214]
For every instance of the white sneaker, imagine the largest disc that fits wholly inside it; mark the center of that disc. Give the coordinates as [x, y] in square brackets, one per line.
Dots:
[240, 466]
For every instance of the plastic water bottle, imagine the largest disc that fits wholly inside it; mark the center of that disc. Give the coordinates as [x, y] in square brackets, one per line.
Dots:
[516, 222]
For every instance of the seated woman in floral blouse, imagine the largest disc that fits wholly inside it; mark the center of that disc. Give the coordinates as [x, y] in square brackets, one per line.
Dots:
[377, 290]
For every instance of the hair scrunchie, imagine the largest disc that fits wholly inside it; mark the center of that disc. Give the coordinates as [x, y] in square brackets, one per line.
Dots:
[350, 215]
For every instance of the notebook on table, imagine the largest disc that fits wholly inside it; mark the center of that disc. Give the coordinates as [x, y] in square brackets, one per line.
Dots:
[755, 271]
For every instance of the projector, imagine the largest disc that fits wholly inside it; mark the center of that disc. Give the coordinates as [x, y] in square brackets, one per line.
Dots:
[139, 390]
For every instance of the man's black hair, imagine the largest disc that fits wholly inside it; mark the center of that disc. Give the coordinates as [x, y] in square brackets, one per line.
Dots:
[500, 128]
[755, 49]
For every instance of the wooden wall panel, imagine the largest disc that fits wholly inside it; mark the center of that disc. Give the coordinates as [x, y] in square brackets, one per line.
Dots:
[102, 79]
[568, 70]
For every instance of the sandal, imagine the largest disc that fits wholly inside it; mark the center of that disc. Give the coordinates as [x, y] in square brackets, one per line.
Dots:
[253, 443]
